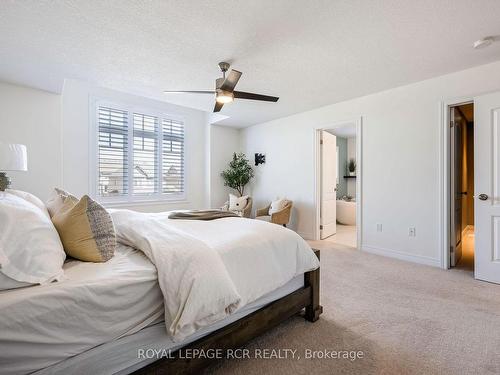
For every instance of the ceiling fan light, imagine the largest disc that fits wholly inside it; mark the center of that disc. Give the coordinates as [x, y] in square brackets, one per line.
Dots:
[224, 97]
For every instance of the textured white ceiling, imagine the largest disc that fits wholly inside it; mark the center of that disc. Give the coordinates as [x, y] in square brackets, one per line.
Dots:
[310, 53]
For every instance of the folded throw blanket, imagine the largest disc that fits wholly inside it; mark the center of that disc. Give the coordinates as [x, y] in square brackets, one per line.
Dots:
[202, 214]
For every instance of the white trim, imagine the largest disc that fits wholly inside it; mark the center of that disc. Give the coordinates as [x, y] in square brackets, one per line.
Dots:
[421, 259]
[444, 183]
[137, 203]
[358, 122]
[129, 199]
[306, 235]
[93, 153]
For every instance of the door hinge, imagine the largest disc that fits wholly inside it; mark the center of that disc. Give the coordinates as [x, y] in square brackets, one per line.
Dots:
[321, 227]
[451, 124]
[321, 142]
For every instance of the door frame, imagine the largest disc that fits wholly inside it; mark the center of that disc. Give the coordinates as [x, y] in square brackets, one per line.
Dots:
[444, 175]
[358, 123]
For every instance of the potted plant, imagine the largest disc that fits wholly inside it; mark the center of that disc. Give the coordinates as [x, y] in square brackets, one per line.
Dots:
[238, 174]
[351, 167]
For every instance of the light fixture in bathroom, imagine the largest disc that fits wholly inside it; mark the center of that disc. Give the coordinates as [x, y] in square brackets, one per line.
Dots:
[483, 43]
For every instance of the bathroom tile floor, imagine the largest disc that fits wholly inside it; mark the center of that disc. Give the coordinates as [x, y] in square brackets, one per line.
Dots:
[346, 235]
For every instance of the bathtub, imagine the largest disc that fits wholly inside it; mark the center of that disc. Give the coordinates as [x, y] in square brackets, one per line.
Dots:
[346, 212]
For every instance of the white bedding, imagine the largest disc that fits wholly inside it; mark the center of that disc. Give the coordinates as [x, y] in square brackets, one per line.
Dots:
[122, 356]
[96, 303]
[101, 302]
[196, 287]
[208, 269]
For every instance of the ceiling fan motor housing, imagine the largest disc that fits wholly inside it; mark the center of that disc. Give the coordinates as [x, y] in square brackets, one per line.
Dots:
[224, 66]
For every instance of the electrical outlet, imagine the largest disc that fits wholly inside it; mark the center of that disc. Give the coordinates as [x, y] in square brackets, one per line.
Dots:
[412, 232]
[379, 227]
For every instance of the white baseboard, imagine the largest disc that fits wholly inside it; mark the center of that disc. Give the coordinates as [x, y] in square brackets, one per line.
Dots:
[306, 235]
[403, 256]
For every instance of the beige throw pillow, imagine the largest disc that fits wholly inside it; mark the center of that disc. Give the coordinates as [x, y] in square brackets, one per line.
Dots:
[86, 230]
[57, 199]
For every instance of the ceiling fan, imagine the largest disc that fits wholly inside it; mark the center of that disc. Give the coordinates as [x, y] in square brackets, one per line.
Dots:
[224, 89]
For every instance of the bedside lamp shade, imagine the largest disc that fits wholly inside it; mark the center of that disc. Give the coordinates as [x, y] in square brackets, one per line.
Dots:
[13, 157]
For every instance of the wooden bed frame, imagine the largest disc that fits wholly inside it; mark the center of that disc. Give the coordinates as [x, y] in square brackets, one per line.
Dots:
[245, 329]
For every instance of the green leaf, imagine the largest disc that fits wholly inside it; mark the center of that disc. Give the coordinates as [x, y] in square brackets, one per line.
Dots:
[238, 174]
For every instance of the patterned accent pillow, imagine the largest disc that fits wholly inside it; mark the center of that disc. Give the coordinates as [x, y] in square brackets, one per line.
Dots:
[86, 230]
[237, 203]
[57, 199]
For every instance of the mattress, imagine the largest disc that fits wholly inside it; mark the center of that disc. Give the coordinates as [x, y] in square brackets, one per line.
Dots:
[122, 356]
[95, 303]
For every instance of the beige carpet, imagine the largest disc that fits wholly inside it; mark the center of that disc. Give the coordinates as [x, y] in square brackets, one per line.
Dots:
[406, 318]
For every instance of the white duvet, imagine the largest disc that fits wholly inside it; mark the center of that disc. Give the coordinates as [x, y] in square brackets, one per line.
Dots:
[209, 269]
[95, 303]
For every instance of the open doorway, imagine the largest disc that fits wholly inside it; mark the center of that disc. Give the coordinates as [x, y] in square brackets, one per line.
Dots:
[338, 184]
[462, 186]
[482, 231]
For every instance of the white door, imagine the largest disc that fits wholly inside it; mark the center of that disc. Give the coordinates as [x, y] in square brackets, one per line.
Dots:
[456, 187]
[487, 187]
[328, 213]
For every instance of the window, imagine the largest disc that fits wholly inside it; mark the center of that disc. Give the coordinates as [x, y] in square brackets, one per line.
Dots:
[140, 155]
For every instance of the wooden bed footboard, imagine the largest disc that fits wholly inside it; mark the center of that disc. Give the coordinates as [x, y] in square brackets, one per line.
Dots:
[238, 333]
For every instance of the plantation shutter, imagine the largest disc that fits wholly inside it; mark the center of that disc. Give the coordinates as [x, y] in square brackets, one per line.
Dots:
[145, 168]
[140, 155]
[113, 152]
[172, 157]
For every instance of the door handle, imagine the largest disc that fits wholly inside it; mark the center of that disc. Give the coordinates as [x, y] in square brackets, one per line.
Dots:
[483, 197]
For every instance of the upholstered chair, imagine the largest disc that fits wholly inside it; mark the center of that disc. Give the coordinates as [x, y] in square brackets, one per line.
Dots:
[281, 217]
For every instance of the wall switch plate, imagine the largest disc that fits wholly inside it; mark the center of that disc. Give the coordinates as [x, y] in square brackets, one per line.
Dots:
[379, 227]
[412, 232]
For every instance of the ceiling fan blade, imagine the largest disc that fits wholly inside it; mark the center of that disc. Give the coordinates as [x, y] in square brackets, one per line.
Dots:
[251, 96]
[218, 106]
[189, 92]
[231, 80]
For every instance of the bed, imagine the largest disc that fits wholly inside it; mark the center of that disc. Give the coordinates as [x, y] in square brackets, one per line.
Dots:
[102, 315]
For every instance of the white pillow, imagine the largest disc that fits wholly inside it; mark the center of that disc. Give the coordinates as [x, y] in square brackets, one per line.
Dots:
[30, 248]
[277, 205]
[30, 198]
[237, 203]
[8, 283]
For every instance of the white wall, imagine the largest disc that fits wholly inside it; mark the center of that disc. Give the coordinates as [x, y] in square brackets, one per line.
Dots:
[77, 161]
[55, 129]
[33, 117]
[351, 154]
[400, 160]
[224, 141]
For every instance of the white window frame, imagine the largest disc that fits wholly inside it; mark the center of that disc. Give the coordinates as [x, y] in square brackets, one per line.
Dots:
[129, 198]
